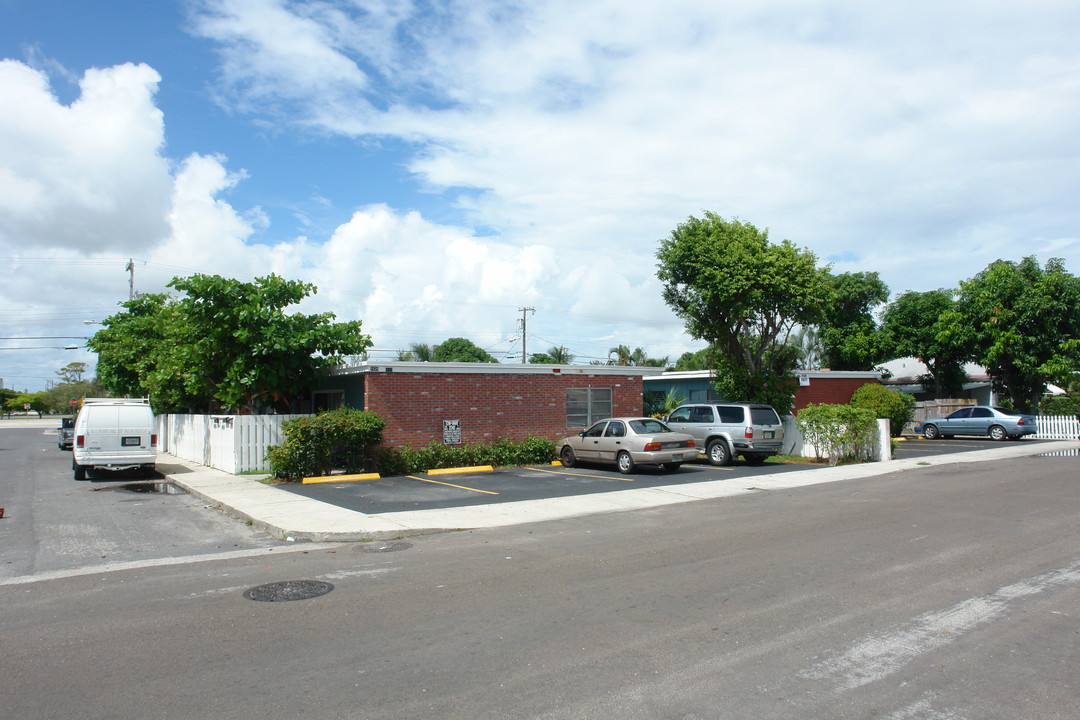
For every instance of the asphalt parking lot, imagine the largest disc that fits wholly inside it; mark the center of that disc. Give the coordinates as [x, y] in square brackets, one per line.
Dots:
[917, 447]
[423, 492]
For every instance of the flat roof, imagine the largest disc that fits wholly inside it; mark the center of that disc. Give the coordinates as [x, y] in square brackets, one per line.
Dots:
[839, 374]
[493, 368]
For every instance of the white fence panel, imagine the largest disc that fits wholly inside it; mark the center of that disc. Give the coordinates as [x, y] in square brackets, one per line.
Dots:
[1058, 427]
[231, 443]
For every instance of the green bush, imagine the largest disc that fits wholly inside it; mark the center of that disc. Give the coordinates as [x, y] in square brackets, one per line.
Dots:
[838, 432]
[533, 450]
[896, 407]
[1060, 405]
[315, 445]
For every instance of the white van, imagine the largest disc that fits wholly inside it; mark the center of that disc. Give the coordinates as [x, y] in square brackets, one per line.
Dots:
[114, 434]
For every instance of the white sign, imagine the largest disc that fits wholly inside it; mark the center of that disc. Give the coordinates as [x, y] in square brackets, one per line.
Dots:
[451, 432]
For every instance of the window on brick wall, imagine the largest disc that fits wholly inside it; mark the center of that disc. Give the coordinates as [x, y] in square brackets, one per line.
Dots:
[584, 406]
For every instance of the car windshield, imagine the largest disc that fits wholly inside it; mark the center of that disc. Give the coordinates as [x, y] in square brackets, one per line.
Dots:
[1007, 411]
[649, 427]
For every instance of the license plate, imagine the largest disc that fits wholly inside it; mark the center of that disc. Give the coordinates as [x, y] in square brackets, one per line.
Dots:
[129, 441]
[768, 434]
[676, 457]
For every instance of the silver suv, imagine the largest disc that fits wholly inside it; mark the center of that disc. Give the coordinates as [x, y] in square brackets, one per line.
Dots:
[725, 430]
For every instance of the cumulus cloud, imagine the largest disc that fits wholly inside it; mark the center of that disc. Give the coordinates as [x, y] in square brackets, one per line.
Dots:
[87, 176]
[564, 140]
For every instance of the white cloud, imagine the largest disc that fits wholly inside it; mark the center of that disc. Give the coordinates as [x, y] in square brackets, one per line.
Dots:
[922, 142]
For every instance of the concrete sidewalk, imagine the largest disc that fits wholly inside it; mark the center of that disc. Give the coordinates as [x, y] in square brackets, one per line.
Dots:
[289, 516]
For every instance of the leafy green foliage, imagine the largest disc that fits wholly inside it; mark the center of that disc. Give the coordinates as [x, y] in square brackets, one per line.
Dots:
[923, 325]
[743, 295]
[314, 446]
[896, 407]
[225, 344]
[1022, 322]
[460, 350]
[838, 432]
[556, 355]
[849, 333]
[534, 450]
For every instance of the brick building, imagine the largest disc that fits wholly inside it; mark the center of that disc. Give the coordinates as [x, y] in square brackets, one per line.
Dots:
[481, 402]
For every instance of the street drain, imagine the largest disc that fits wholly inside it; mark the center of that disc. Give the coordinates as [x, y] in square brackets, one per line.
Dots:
[288, 590]
[381, 547]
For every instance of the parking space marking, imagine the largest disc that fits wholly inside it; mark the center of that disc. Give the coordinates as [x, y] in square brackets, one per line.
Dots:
[570, 474]
[460, 487]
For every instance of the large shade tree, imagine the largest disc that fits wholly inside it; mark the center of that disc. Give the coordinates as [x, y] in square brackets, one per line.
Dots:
[922, 325]
[743, 295]
[849, 333]
[1022, 322]
[223, 344]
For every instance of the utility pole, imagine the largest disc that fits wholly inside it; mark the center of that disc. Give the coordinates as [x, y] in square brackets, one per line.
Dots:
[524, 318]
[131, 278]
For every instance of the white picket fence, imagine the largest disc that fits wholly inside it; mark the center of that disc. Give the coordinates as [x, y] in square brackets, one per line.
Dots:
[1058, 427]
[232, 443]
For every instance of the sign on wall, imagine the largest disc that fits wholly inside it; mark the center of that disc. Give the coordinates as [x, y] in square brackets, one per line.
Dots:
[451, 432]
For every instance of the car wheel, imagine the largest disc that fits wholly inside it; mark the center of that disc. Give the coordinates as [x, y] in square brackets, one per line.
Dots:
[754, 459]
[567, 457]
[930, 432]
[997, 433]
[625, 462]
[718, 453]
[671, 467]
[80, 471]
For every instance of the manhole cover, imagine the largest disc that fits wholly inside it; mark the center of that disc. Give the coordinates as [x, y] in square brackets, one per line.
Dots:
[288, 590]
[381, 547]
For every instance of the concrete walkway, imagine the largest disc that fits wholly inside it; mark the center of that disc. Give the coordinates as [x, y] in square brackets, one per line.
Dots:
[289, 516]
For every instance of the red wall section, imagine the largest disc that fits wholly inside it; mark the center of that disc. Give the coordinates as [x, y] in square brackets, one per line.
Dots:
[835, 391]
[489, 406]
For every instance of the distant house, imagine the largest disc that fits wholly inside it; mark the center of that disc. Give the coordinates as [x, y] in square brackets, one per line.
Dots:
[481, 402]
[978, 385]
[815, 386]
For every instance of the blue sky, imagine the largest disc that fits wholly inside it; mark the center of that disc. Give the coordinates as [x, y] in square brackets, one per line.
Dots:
[434, 166]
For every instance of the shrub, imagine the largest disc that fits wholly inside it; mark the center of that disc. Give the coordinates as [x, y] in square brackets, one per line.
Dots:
[896, 407]
[1060, 405]
[838, 432]
[533, 450]
[317, 444]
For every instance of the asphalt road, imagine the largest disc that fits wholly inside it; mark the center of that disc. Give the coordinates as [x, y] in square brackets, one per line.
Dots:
[52, 522]
[948, 592]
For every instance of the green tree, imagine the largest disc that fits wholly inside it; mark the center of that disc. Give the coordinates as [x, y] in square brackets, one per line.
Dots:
[623, 355]
[556, 355]
[72, 372]
[922, 325]
[224, 344]
[849, 333]
[417, 352]
[698, 360]
[1022, 322]
[460, 350]
[744, 296]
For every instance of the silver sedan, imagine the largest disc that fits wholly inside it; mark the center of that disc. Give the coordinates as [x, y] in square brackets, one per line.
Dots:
[995, 422]
[627, 442]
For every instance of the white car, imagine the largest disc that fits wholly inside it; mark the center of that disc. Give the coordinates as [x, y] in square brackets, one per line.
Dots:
[627, 442]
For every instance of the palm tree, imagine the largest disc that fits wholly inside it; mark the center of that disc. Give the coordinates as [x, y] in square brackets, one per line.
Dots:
[560, 355]
[622, 354]
[421, 352]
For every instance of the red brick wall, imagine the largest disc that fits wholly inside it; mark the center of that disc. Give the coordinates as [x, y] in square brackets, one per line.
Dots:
[489, 406]
[835, 391]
